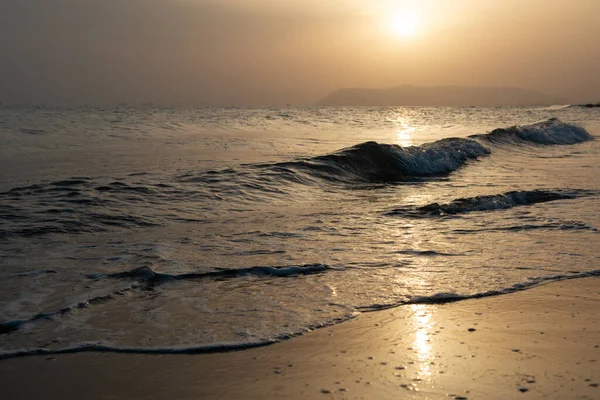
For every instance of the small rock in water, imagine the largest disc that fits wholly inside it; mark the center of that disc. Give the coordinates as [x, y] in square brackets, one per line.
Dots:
[471, 329]
[325, 391]
[593, 384]
[523, 389]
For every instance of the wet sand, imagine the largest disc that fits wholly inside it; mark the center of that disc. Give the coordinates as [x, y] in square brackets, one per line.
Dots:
[542, 343]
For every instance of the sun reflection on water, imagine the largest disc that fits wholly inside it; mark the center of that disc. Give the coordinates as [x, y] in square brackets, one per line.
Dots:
[422, 321]
[404, 137]
[404, 131]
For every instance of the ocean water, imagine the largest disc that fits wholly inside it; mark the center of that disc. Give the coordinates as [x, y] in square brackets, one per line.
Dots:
[149, 229]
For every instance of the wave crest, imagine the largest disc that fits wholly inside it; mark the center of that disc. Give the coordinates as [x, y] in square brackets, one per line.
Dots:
[550, 132]
[376, 162]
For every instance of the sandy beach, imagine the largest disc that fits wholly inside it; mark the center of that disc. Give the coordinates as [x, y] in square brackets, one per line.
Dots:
[539, 343]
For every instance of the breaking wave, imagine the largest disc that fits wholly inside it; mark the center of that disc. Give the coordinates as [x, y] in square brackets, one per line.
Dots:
[549, 132]
[376, 162]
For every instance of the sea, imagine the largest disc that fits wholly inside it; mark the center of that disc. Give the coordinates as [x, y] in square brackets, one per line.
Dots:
[147, 229]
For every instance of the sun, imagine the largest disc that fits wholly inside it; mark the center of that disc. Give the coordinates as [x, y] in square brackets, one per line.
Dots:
[404, 25]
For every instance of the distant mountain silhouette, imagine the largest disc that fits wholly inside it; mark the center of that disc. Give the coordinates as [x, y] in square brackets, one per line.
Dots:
[456, 96]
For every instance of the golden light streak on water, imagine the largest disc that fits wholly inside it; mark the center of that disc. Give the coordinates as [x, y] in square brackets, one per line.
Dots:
[422, 323]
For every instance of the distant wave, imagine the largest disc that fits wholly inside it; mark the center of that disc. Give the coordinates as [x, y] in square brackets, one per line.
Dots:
[546, 226]
[556, 107]
[32, 131]
[491, 202]
[549, 132]
[83, 204]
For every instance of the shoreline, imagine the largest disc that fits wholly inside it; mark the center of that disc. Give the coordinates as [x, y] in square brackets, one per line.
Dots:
[543, 342]
[226, 347]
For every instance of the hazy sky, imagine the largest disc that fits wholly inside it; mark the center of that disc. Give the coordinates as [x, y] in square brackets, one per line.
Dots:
[261, 52]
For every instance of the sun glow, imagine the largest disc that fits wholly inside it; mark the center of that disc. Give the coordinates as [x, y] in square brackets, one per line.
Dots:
[404, 25]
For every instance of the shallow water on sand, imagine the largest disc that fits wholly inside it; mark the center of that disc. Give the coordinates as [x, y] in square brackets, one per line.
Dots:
[171, 229]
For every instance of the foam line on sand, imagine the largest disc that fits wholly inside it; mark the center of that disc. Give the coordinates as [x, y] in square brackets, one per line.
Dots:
[535, 344]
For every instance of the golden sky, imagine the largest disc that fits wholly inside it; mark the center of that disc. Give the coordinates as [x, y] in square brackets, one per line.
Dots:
[262, 52]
